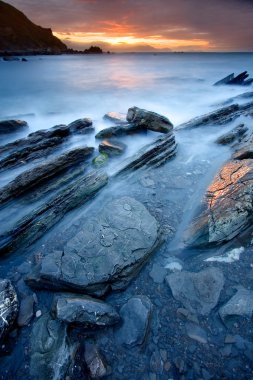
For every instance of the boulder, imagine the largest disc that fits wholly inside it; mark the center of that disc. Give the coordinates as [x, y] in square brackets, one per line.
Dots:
[112, 147]
[51, 351]
[81, 126]
[84, 310]
[41, 219]
[106, 253]
[41, 173]
[94, 361]
[119, 130]
[236, 134]
[198, 292]
[10, 126]
[8, 306]
[116, 117]
[227, 208]
[149, 120]
[136, 315]
[240, 305]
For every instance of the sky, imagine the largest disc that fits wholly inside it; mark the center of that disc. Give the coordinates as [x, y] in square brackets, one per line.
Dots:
[146, 25]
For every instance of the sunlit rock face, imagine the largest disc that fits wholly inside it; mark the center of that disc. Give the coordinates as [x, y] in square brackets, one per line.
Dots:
[228, 206]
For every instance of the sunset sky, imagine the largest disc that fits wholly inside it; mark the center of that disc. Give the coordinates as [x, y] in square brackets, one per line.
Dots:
[147, 25]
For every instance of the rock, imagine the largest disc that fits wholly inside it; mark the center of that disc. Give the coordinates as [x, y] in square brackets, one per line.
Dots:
[84, 310]
[51, 350]
[24, 60]
[135, 314]
[112, 147]
[41, 173]
[40, 220]
[244, 153]
[198, 292]
[116, 117]
[8, 306]
[100, 160]
[38, 313]
[158, 273]
[240, 79]
[119, 130]
[107, 252]
[25, 311]
[10, 126]
[228, 257]
[219, 117]
[94, 361]
[228, 206]
[236, 134]
[81, 126]
[241, 305]
[154, 154]
[149, 120]
[196, 332]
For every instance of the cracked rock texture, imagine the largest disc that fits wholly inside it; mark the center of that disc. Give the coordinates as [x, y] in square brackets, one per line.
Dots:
[107, 252]
[8, 306]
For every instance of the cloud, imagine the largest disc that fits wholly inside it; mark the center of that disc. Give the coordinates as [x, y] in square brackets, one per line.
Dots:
[220, 24]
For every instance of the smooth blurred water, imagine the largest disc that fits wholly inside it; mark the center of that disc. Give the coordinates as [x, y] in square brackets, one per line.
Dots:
[58, 89]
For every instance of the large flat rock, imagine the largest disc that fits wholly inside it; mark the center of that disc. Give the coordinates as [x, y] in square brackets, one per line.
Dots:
[107, 252]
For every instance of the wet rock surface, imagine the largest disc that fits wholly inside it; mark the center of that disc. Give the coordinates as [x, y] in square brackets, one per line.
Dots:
[112, 147]
[94, 361]
[116, 117]
[8, 306]
[235, 135]
[119, 130]
[10, 126]
[239, 80]
[149, 120]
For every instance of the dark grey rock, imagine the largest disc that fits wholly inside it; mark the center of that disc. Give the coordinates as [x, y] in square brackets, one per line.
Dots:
[119, 130]
[26, 311]
[84, 310]
[225, 80]
[106, 253]
[81, 126]
[240, 79]
[136, 315]
[112, 147]
[10, 126]
[116, 117]
[235, 134]
[95, 362]
[244, 153]
[149, 120]
[196, 332]
[41, 173]
[198, 292]
[241, 305]
[51, 350]
[8, 306]
[40, 220]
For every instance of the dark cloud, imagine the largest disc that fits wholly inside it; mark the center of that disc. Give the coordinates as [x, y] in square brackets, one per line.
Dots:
[226, 24]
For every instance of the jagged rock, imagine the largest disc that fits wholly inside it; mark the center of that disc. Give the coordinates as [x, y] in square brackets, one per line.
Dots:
[136, 315]
[35, 176]
[154, 154]
[149, 120]
[112, 147]
[51, 350]
[240, 305]
[26, 311]
[84, 310]
[240, 79]
[119, 130]
[8, 306]
[95, 362]
[198, 292]
[40, 220]
[116, 117]
[236, 133]
[10, 126]
[219, 117]
[107, 252]
[81, 126]
[228, 206]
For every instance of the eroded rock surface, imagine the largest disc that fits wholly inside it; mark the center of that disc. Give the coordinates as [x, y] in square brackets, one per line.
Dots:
[198, 292]
[149, 120]
[8, 306]
[106, 253]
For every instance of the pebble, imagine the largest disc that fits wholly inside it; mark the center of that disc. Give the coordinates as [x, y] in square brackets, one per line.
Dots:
[38, 313]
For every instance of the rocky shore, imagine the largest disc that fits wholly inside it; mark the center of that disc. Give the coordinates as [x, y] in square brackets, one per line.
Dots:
[135, 267]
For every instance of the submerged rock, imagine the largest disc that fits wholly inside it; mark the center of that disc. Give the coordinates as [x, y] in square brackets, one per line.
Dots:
[240, 79]
[236, 133]
[116, 117]
[149, 120]
[10, 126]
[51, 351]
[119, 130]
[8, 306]
[84, 310]
[240, 305]
[198, 292]
[106, 253]
[136, 315]
[228, 206]
[100, 160]
[112, 147]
